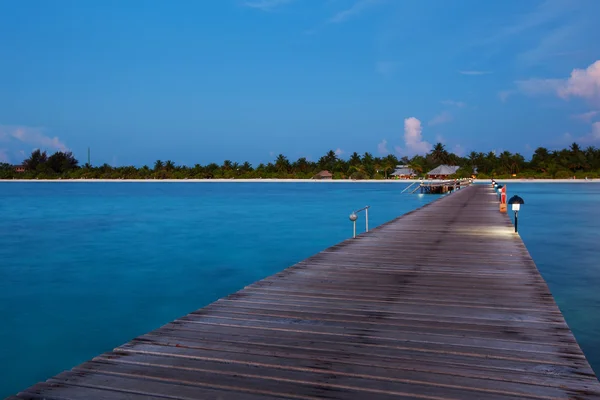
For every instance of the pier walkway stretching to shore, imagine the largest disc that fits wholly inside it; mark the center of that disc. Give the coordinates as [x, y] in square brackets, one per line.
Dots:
[444, 302]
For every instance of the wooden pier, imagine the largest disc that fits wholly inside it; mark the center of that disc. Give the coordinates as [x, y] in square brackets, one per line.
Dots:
[442, 303]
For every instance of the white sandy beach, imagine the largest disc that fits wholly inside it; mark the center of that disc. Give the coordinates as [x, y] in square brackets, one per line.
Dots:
[388, 181]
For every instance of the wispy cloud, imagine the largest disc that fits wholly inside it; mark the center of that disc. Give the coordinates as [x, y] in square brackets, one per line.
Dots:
[267, 5]
[582, 83]
[413, 138]
[548, 29]
[356, 9]
[339, 152]
[546, 12]
[382, 147]
[503, 95]
[441, 118]
[458, 104]
[555, 43]
[32, 136]
[535, 86]
[474, 72]
[586, 116]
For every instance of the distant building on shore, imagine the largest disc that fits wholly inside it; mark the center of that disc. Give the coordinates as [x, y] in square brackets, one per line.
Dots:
[323, 175]
[442, 172]
[19, 168]
[403, 172]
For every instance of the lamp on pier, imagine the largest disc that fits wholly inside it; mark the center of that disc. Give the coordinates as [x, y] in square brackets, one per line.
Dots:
[516, 202]
[353, 217]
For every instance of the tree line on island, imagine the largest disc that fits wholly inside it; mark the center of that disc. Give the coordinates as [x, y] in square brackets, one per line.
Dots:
[573, 161]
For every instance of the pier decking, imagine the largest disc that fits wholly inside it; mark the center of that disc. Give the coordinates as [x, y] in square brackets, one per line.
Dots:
[442, 303]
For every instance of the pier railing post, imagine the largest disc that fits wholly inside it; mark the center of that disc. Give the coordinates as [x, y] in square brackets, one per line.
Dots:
[353, 217]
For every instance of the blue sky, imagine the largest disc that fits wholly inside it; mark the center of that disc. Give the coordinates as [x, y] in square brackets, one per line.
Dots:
[202, 81]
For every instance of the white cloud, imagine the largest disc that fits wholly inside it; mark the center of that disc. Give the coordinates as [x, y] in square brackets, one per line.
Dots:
[583, 83]
[31, 136]
[266, 5]
[413, 139]
[356, 9]
[382, 147]
[586, 116]
[473, 72]
[339, 152]
[441, 118]
[458, 104]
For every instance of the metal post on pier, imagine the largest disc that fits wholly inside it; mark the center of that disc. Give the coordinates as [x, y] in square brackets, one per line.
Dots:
[353, 217]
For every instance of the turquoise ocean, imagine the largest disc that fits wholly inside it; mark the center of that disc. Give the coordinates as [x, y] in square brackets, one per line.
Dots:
[85, 267]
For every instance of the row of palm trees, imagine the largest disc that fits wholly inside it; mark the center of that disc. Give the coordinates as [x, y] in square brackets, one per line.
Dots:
[544, 163]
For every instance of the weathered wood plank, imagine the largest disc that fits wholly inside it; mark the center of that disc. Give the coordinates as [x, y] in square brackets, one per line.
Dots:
[442, 303]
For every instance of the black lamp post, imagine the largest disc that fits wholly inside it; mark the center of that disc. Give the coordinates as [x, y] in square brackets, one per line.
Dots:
[516, 202]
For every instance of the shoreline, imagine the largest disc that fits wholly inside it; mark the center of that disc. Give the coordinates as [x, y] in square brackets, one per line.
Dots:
[318, 181]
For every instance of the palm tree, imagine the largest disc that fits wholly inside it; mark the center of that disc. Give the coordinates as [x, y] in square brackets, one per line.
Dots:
[226, 165]
[282, 164]
[540, 158]
[417, 168]
[439, 153]
[158, 165]
[506, 160]
[169, 165]
[354, 159]
[246, 167]
[301, 165]
[328, 161]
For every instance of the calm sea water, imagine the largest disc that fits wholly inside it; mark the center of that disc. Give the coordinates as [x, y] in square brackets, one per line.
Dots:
[85, 267]
[560, 225]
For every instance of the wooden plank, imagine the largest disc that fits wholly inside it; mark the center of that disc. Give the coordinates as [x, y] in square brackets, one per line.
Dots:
[442, 303]
[348, 364]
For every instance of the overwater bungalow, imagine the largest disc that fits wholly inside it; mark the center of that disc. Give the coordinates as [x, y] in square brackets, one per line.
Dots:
[403, 172]
[442, 172]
